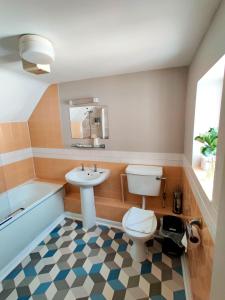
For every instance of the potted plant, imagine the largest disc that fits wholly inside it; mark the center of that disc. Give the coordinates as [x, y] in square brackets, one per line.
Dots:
[208, 149]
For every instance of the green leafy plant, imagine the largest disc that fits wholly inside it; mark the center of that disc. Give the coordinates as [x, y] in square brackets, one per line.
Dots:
[209, 141]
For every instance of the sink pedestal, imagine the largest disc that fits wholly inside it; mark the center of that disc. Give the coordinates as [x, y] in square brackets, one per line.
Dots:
[86, 179]
[88, 207]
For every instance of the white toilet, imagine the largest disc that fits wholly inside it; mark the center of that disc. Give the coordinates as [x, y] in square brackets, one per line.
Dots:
[140, 224]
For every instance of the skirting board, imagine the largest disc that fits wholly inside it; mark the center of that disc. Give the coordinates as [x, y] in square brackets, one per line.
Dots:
[186, 277]
[99, 221]
[26, 251]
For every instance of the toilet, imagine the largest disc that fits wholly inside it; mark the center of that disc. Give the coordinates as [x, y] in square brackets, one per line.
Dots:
[140, 224]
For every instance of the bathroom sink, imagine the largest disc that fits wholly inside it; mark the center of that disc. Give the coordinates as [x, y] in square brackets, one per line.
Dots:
[87, 177]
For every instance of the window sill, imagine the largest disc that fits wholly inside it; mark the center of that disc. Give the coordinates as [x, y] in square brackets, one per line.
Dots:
[206, 181]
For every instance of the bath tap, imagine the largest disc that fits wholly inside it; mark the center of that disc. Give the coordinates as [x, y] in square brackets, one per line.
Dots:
[95, 168]
[82, 167]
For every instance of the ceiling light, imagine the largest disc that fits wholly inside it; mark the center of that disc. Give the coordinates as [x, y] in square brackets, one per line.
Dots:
[36, 49]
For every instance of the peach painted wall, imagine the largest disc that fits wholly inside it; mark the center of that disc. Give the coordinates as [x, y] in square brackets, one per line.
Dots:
[2, 181]
[47, 168]
[18, 172]
[15, 136]
[200, 259]
[110, 190]
[44, 123]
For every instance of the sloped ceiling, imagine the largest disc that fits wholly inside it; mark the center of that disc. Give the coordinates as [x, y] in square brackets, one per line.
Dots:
[19, 94]
[95, 38]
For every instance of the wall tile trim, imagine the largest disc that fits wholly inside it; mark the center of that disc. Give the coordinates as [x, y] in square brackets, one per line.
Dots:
[165, 159]
[14, 156]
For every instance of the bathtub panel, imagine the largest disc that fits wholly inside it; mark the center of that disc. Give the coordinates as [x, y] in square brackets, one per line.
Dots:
[20, 233]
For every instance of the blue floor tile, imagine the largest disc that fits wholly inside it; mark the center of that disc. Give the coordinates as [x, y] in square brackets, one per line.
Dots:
[116, 285]
[93, 269]
[179, 295]
[42, 288]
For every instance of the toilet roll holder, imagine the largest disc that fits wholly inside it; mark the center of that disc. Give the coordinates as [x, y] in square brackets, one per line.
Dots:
[194, 222]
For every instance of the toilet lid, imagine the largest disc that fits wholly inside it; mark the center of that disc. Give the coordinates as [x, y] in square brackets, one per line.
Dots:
[140, 220]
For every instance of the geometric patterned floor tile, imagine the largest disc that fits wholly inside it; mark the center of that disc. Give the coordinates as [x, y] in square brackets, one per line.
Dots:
[71, 263]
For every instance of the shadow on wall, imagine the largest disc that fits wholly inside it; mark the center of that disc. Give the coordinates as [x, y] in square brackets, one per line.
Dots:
[19, 91]
[9, 52]
[19, 95]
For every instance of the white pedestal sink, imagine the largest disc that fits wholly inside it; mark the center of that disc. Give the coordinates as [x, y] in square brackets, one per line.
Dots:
[86, 179]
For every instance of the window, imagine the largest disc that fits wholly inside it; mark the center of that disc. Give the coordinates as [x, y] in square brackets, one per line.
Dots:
[207, 114]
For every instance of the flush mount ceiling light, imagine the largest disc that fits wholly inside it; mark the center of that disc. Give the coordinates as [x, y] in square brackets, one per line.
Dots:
[36, 49]
[36, 52]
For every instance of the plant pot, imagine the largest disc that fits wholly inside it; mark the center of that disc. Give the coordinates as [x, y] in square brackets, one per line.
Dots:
[206, 162]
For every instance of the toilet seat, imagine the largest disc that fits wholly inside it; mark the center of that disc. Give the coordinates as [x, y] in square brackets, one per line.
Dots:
[137, 234]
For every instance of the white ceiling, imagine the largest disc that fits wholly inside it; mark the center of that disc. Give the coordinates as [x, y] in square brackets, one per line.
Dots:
[95, 38]
[103, 37]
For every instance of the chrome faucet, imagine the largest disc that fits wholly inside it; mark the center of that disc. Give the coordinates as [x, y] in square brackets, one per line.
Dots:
[95, 168]
[82, 167]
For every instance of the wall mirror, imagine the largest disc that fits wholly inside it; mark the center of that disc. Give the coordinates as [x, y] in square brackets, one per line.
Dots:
[89, 121]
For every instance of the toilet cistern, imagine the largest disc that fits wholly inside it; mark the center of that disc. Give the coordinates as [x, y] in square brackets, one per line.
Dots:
[86, 179]
[144, 181]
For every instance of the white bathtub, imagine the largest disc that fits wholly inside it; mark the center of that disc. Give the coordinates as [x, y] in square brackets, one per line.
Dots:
[42, 203]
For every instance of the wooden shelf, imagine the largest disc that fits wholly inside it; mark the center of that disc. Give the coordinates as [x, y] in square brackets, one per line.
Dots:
[114, 209]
